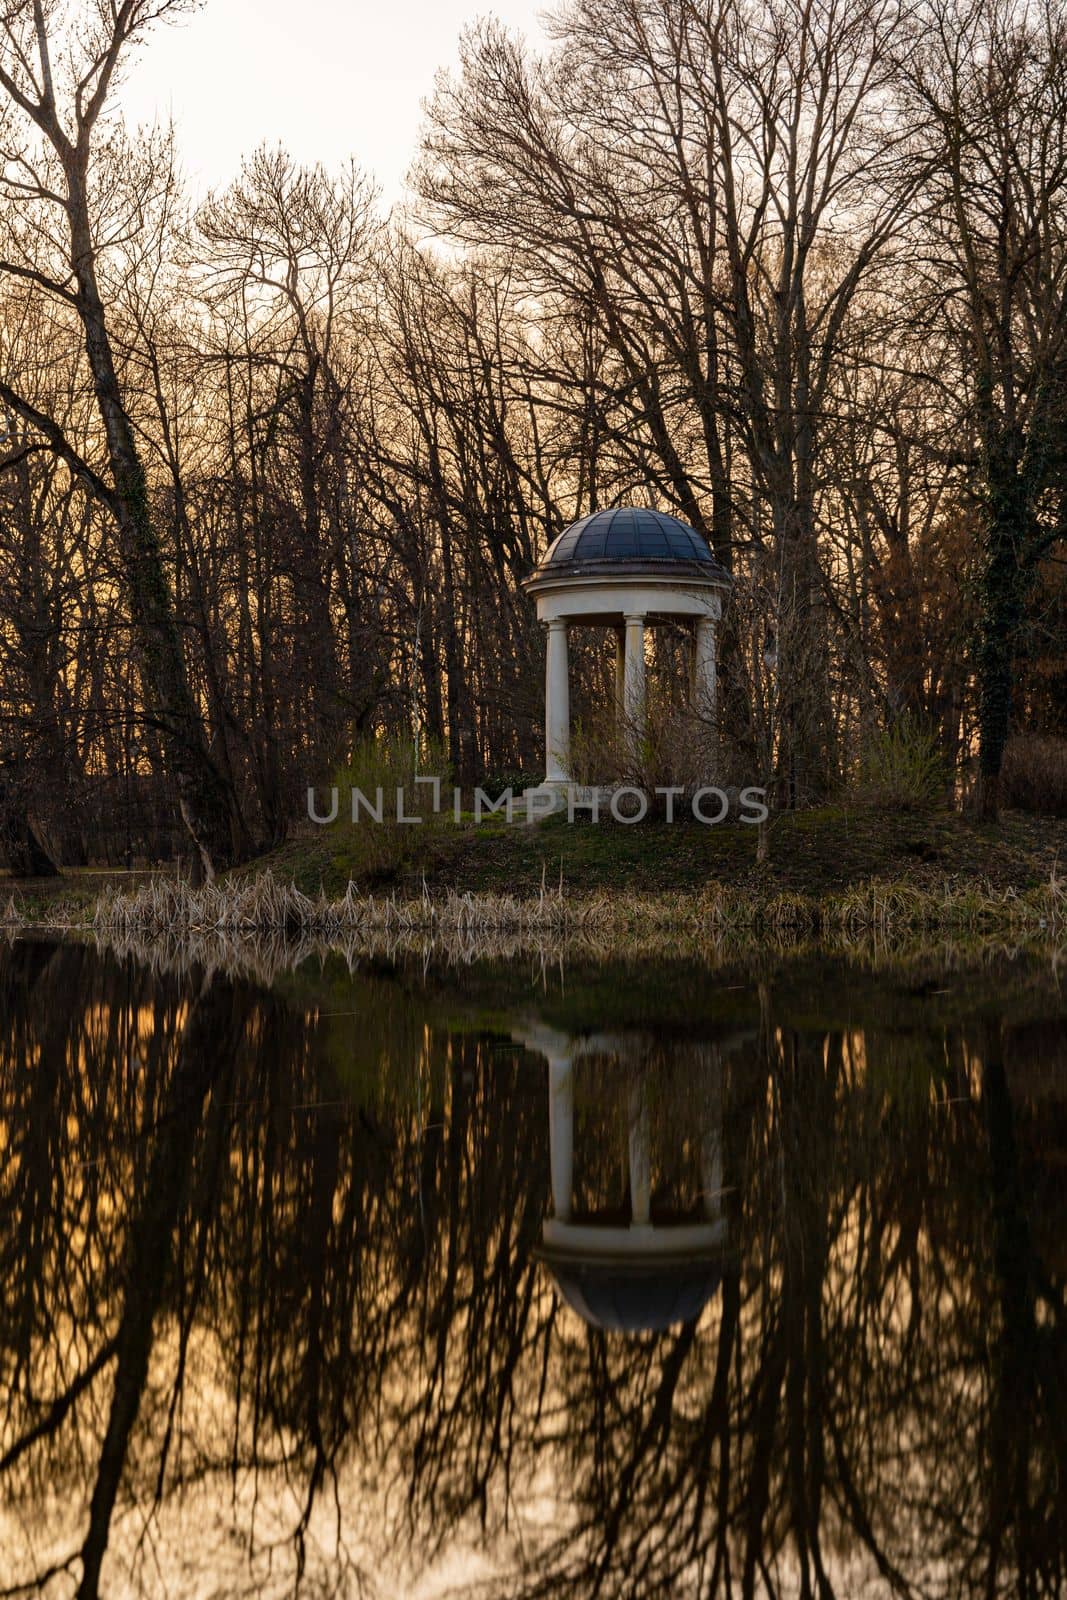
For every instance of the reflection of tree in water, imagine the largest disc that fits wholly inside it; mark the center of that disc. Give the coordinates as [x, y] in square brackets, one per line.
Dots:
[234, 1255]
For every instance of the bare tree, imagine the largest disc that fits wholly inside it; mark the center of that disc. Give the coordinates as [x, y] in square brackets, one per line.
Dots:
[988, 86]
[76, 193]
[685, 173]
[292, 245]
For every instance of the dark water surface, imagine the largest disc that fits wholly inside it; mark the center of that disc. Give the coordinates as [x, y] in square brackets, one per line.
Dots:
[616, 1279]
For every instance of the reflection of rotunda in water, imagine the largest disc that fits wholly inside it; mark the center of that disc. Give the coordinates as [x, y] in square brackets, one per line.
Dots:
[636, 1240]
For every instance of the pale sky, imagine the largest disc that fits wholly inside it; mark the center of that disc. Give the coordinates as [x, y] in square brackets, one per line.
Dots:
[326, 78]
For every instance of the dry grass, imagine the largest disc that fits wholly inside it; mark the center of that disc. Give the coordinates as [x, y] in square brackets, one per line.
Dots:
[262, 906]
[259, 927]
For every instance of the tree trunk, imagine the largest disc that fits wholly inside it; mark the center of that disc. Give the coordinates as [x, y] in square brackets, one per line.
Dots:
[208, 810]
[27, 856]
[208, 1045]
[431, 676]
[1001, 612]
[313, 593]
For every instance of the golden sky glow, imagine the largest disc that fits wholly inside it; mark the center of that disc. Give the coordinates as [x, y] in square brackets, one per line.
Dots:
[327, 78]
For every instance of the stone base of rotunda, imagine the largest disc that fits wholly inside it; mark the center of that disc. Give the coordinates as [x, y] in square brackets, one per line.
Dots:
[551, 797]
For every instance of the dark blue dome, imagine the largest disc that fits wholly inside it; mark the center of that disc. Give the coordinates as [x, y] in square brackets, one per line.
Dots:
[624, 1299]
[628, 533]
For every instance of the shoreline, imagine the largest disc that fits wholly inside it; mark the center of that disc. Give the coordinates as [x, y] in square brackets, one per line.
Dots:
[262, 905]
[832, 873]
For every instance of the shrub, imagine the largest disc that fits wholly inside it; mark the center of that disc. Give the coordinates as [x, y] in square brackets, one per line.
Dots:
[390, 762]
[494, 784]
[674, 749]
[902, 768]
[1034, 775]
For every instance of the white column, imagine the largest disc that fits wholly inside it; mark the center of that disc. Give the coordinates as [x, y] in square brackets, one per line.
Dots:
[711, 1135]
[561, 1135]
[557, 705]
[635, 676]
[640, 1157]
[620, 677]
[703, 693]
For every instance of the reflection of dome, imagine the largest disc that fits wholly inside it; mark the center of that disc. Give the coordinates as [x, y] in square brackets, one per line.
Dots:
[615, 1266]
[630, 534]
[626, 1297]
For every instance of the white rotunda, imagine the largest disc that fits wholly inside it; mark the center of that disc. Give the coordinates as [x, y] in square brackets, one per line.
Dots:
[626, 568]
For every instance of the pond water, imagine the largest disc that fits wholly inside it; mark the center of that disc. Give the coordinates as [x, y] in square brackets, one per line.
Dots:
[539, 1277]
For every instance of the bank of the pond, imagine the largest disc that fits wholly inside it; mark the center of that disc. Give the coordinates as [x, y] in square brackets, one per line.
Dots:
[814, 853]
[263, 904]
[830, 870]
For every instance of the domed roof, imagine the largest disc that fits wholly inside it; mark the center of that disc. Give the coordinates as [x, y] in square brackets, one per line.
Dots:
[626, 1298]
[628, 533]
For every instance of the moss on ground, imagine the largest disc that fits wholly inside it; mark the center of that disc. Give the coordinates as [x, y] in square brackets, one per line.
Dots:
[811, 852]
